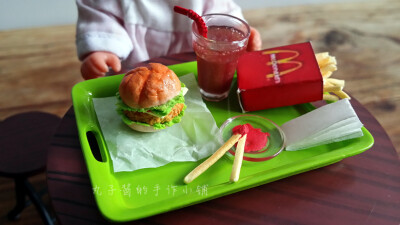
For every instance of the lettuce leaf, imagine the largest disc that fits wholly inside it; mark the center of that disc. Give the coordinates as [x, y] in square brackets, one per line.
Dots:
[160, 110]
[156, 126]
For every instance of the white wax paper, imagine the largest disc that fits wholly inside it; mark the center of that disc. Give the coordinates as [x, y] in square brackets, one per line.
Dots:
[192, 139]
[330, 123]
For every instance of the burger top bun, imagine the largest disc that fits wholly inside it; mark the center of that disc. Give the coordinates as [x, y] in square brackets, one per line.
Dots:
[145, 87]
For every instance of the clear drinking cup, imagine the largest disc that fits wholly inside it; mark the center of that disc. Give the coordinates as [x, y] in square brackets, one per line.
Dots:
[218, 54]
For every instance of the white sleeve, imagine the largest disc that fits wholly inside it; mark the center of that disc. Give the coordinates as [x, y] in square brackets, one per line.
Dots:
[223, 6]
[100, 27]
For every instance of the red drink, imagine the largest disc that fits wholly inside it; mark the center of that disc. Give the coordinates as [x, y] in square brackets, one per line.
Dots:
[217, 55]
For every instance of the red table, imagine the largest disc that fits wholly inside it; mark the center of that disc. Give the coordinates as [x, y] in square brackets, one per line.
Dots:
[363, 189]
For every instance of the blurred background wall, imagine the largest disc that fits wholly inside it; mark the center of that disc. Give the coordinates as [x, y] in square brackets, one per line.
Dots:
[20, 14]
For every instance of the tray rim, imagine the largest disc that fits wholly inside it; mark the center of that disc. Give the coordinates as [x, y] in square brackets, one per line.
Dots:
[180, 69]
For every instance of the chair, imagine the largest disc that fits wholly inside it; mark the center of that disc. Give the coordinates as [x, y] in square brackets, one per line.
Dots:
[24, 139]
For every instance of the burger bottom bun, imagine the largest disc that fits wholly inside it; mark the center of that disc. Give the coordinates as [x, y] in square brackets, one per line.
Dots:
[143, 128]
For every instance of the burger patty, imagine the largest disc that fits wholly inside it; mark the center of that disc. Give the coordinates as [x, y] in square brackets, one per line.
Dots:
[150, 119]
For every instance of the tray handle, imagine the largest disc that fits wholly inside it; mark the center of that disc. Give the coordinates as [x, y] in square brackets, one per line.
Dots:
[94, 146]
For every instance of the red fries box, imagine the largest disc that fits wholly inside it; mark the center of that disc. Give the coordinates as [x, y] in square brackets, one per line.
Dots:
[280, 76]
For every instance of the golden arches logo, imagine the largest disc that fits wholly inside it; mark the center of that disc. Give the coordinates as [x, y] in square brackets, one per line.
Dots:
[274, 62]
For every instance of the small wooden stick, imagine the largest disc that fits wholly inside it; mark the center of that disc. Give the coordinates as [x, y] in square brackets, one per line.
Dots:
[210, 161]
[237, 163]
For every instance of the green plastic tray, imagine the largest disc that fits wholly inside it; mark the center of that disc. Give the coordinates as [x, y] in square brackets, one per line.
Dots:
[129, 196]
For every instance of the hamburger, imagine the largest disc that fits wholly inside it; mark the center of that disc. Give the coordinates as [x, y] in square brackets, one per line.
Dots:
[151, 98]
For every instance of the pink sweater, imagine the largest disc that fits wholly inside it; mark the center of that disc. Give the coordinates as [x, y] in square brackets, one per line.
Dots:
[137, 30]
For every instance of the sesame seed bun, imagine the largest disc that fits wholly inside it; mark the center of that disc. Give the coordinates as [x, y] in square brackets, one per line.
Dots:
[149, 86]
[150, 98]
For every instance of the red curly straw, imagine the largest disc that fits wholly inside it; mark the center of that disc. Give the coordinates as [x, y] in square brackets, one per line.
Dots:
[194, 16]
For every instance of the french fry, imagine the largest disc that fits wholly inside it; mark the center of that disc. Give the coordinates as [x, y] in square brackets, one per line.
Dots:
[327, 64]
[237, 162]
[329, 87]
[341, 94]
[333, 85]
[324, 59]
[212, 159]
[326, 74]
[335, 82]
[321, 56]
[323, 62]
[328, 68]
[328, 97]
[332, 60]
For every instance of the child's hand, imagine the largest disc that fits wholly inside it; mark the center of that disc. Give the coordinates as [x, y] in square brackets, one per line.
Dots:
[96, 64]
[254, 40]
